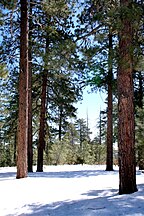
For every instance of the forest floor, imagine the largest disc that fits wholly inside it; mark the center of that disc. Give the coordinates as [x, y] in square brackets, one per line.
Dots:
[68, 190]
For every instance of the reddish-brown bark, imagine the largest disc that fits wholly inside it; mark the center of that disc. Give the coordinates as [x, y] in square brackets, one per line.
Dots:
[22, 136]
[126, 130]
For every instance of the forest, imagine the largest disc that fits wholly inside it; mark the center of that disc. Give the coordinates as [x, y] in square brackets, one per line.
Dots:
[50, 51]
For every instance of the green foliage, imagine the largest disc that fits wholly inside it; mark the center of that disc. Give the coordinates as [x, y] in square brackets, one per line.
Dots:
[3, 72]
[8, 4]
[72, 150]
[139, 134]
[139, 65]
[83, 130]
[58, 8]
[87, 153]
[62, 152]
[7, 153]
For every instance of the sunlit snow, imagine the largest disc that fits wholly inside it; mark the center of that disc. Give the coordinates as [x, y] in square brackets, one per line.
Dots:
[68, 190]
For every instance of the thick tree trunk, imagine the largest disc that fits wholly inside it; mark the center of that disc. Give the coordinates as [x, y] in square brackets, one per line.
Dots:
[41, 143]
[30, 147]
[126, 130]
[109, 162]
[22, 136]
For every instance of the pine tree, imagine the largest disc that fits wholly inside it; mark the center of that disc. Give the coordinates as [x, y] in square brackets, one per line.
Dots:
[41, 143]
[99, 55]
[22, 137]
[126, 132]
[56, 96]
[9, 58]
[83, 131]
[109, 162]
[30, 144]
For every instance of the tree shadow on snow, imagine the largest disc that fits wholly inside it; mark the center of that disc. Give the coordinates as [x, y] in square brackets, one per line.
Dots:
[61, 174]
[98, 203]
[72, 174]
[7, 176]
[58, 174]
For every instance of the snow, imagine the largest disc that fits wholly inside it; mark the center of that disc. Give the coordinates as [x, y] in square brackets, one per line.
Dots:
[68, 190]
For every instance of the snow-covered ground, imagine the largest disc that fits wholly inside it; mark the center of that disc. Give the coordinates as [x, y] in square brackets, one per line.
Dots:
[69, 190]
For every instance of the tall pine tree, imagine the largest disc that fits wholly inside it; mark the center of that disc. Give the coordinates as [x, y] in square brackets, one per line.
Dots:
[22, 136]
[126, 131]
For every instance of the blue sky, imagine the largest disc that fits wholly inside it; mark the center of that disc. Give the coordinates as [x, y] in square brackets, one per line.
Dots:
[92, 103]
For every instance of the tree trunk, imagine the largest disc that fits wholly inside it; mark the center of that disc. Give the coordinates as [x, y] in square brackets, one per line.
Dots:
[60, 123]
[30, 147]
[100, 129]
[15, 147]
[126, 130]
[100, 137]
[41, 143]
[22, 136]
[109, 162]
[80, 136]
[87, 126]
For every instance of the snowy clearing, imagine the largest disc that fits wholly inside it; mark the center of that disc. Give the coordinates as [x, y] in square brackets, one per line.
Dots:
[69, 190]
